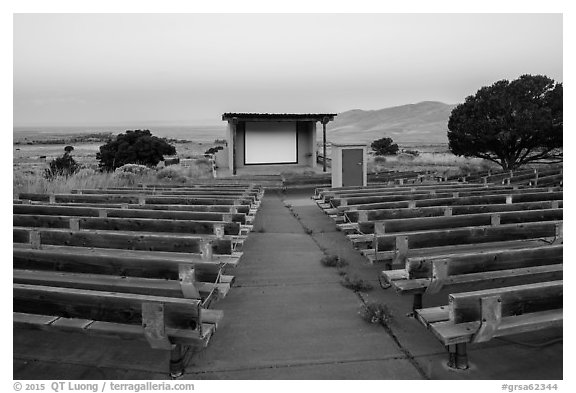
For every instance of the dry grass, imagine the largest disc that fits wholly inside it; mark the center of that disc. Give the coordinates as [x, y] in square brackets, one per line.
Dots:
[441, 163]
[28, 179]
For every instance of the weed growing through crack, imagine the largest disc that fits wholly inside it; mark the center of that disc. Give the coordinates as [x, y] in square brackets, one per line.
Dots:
[377, 313]
[333, 261]
[308, 231]
[356, 284]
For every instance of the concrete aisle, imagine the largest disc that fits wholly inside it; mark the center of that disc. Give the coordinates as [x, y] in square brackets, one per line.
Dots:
[288, 317]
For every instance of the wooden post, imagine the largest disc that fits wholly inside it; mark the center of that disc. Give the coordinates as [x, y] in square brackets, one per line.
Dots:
[401, 250]
[495, 219]
[324, 122]
[74, 224]
[234, 127]
[35, 241]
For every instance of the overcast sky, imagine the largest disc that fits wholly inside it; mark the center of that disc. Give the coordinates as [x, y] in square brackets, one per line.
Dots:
[87, 69]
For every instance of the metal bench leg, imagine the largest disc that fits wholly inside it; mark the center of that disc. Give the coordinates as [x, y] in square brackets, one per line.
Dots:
[177, 363]
[458, 357]
[417, 302]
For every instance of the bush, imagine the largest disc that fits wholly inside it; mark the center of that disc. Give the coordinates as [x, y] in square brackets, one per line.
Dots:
[374, 312]
[170, 174]
[133, 147]
[384, 146]
[213, 150]
[414, 153]
[61, 166]
[356, 284]
[333, 261]
[140, 170]
[380, 160]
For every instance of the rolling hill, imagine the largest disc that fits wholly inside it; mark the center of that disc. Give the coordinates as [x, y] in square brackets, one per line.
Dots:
[424, 122]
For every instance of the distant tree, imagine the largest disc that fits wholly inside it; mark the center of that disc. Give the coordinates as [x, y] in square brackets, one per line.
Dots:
[384, 147]
[133, 147]
[510, 123]
[61, 166]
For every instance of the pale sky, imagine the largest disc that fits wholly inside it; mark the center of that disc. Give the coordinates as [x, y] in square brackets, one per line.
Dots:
[90, 69]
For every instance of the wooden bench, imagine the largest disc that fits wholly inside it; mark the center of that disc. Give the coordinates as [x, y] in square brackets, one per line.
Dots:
[396, 247]
[479, 316]
[218, 228]
[176, 208]
[59, 210]
[198, 277]
[146, 241]
[455, 221]
[456, 201]
[390, 196]
[474, 271]
[135, 199]
[329, 195]
[166, 323]
[436, 211]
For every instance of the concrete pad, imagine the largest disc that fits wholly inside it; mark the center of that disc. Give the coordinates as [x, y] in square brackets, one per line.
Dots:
[501, 360]
[365, 369]
[59, 355]
[290, 325]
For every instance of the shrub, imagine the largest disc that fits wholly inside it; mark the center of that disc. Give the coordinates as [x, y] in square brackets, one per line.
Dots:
[333, 261]
[170, 174]
[213, 150]
[140, 170]
[374, 312]
[414, 153]
[384, 146]
[379, 159]
[61, 166]
[133, 147]
[356, 284]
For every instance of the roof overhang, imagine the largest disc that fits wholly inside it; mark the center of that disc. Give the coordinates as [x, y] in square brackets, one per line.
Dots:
[321, 117]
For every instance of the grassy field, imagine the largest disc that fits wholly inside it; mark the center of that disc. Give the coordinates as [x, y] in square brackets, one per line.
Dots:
[432, 158]
[30, 162]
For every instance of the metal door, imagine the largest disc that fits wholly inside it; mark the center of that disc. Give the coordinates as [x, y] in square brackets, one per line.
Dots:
[352, 167]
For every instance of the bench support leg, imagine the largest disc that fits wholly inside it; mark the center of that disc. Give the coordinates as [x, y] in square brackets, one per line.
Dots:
[417, 302]
[177, 361]
[458, 357]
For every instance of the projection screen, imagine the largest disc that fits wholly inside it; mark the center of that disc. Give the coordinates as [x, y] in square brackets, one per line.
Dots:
[270, 143]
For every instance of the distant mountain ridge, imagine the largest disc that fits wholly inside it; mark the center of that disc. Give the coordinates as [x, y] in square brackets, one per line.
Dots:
[425, 122]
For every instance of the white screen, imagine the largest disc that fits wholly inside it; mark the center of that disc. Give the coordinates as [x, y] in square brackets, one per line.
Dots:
[270, 143]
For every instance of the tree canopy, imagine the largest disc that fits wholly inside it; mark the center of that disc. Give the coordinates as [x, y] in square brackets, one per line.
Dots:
[510, 123]
[133, 147]
[384, 146]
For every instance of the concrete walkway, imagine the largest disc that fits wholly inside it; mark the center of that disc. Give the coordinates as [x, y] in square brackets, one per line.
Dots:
[288, 317]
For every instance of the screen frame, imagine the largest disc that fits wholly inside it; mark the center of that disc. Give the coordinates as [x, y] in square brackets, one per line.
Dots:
[296, 128]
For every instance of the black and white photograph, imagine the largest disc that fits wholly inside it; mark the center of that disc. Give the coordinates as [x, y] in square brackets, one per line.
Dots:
[286, 195]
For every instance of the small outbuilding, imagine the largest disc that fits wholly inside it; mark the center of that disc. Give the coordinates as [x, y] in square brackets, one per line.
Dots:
[273, 142]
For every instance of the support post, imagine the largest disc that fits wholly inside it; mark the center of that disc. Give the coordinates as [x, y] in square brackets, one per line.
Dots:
[177, 361]
[324, 122]
[234, 127]
[458, 358]
[417, 302]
